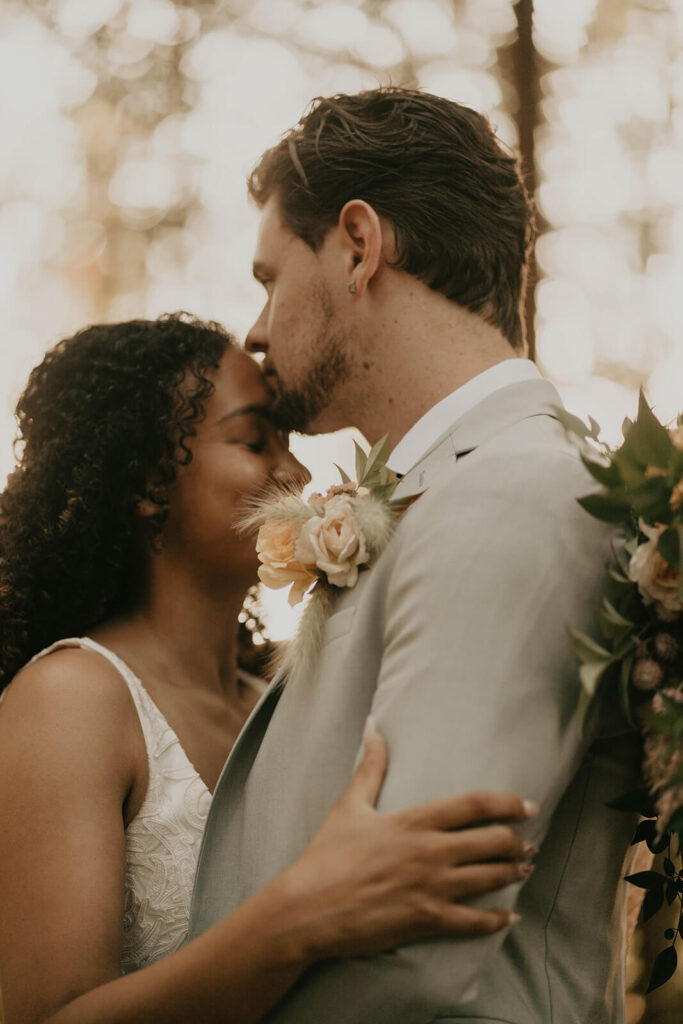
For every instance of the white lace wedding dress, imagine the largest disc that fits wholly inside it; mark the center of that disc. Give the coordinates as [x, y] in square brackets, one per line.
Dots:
[163, 840]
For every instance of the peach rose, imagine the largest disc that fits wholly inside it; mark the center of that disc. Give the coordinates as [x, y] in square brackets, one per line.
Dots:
[275, 547]
[657, 580]
[332, 542]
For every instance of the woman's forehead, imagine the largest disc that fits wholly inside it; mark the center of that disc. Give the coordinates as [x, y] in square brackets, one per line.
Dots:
[238, 381]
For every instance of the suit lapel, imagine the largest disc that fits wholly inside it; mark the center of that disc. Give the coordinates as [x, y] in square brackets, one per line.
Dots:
[492, 415]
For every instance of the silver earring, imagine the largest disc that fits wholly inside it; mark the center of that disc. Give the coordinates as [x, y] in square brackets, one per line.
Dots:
[352, 287]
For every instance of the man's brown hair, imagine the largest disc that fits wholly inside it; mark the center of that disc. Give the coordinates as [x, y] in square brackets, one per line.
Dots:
[430, 166]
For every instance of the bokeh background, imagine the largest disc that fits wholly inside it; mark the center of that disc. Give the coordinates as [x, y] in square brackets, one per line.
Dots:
[127, 128]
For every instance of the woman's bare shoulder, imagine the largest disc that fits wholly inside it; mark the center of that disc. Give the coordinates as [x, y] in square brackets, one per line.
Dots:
[67, 690]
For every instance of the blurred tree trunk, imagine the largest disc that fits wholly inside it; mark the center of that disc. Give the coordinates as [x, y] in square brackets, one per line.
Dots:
[521, 66]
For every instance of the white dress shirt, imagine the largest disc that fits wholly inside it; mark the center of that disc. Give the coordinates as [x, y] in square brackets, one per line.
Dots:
[439, 418]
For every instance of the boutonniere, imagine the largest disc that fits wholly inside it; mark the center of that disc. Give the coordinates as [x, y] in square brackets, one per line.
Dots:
[638, 662]
[319, 545]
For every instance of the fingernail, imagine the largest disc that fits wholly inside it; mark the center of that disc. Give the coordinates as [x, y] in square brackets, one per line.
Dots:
[514, 918]
[369, 729]
[531, 808]
[524, 869]
[529, 851]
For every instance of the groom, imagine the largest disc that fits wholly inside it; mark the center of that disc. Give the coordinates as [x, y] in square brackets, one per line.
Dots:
[392, 250]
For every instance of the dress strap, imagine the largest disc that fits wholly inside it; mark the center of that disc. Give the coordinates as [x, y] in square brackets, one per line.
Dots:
[148, 713]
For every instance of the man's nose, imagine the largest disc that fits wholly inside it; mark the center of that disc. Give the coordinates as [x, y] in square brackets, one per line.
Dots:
[257, 340]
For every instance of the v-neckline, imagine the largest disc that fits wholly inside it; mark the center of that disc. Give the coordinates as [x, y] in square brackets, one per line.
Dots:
[123, 667]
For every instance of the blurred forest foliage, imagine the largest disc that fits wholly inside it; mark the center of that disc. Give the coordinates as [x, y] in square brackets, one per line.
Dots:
[128, 127]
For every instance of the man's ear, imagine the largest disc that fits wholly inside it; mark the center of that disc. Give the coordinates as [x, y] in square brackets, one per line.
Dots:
[362, 235]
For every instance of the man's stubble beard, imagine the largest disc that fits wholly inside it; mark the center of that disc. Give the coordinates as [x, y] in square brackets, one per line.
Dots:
[298, 405]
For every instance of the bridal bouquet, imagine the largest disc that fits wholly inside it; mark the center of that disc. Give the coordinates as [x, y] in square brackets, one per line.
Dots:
[639, 659]
[321, 544]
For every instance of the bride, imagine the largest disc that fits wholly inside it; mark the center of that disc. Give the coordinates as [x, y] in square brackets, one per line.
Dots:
[122, 662]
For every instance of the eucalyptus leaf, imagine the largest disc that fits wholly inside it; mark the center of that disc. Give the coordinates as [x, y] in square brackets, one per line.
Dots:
[647, 880]
[639, 800]
[590, 674]
[646, 830]
[587, 649]
[657, 844]
[613, 616]
[652, 903]
[663, 968]
[605, 507]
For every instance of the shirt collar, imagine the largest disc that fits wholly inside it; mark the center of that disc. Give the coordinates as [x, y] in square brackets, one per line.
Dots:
[441, 416]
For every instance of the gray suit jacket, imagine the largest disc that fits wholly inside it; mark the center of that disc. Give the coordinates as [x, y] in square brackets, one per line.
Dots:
[456, 642]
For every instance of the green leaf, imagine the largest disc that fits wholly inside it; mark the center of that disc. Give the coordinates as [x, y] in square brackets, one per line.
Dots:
[663, 968]
[346, 479]
[614, 617]
[645, 830]
[646, 880]
[657, 844]
[624, 688]
[605, 507]
[668, 546]
[608, 475]
[626, 426]
[586, 649]
[590, 674]
[639, 800]
[361, 460]
[649, 440]
[619, 578]
[668, 867]
[595, 428]
[379, 453]
[652, 902]
[571, 423]
[670, 892]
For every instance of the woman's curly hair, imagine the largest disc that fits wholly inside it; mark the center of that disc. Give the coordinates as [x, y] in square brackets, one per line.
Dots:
[103, 424]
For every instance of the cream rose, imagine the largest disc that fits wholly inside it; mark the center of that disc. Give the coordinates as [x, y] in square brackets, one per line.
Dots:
[332, 542]
[275, 547]
[657, 580]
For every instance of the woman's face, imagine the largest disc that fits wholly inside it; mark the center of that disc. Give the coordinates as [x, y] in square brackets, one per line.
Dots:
[237, 453]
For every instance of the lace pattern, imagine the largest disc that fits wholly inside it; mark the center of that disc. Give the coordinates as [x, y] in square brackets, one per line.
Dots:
[163, 840]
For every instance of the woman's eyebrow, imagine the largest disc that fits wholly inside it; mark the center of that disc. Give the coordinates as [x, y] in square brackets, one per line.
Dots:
[255, 409]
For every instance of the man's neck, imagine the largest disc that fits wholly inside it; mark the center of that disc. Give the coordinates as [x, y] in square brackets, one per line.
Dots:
[418, 370]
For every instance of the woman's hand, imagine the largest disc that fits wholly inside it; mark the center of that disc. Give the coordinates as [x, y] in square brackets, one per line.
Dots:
[375, 881]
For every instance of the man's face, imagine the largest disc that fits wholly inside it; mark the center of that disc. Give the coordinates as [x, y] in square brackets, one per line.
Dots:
[307, 347]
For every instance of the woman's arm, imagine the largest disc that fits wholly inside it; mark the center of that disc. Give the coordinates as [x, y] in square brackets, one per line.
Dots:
[366, 882]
